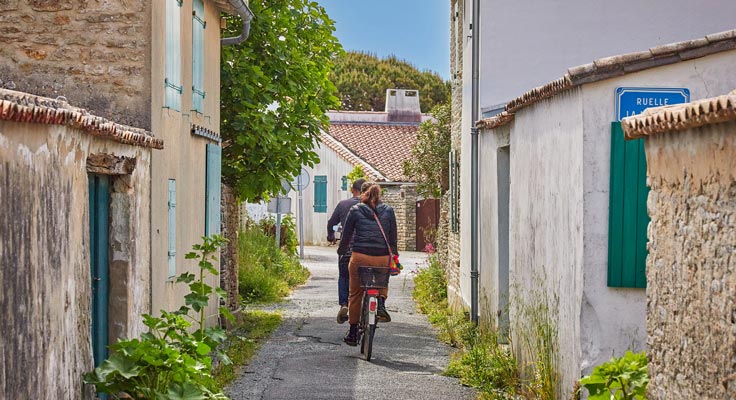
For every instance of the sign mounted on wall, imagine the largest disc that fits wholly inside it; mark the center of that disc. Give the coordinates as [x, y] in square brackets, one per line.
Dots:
[633, 100]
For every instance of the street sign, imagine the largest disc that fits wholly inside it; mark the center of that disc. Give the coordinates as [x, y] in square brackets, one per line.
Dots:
[280, 205]
[286, 186]
[301, 181]
[633, 100]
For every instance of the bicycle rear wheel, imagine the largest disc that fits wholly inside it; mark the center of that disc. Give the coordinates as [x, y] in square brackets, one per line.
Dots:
[363, 327]
[368, 341]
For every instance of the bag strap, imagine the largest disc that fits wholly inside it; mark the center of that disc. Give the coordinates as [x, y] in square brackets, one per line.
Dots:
[390, 253]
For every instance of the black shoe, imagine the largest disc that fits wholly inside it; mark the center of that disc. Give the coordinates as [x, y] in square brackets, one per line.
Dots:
[351, 339]
[382, 314]
[342, 315]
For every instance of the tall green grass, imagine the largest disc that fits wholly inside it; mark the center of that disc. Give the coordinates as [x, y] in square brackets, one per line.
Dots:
[266, 272]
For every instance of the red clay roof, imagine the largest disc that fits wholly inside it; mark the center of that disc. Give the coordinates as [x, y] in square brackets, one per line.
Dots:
[384, 146]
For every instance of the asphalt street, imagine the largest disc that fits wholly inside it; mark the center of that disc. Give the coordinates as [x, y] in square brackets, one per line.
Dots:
[306, 358]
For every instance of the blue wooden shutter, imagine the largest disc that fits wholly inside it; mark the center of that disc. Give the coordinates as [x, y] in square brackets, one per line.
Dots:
[172, 228]
[198, 26]
[627, 212]
[172, 81]
[99, 208]
[320, 193]
[212, 200]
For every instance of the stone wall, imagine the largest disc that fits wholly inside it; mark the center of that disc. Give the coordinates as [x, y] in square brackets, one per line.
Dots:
[96, 54]
[45, 256]
[229, 253]
[403, 199]
[451, 260]
[691, 267]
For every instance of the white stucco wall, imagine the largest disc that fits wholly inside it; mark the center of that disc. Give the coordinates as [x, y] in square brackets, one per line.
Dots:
[546, 222]
[613, 319]
[315, 224]
[557, 35]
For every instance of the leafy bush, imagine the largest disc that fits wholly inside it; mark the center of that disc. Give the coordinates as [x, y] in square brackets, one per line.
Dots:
[266, 273]
[288, 239]
[623, 378]
[169, 361]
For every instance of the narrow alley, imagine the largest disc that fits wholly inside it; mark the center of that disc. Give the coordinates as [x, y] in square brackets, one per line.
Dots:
[306, 358]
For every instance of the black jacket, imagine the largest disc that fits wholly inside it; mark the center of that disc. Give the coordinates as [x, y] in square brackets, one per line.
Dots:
[363, 229]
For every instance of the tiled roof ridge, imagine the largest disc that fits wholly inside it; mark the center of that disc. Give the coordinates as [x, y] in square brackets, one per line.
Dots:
[351, 157]
[381, 123]
[610, 67]
[24, 107]
[681, 116]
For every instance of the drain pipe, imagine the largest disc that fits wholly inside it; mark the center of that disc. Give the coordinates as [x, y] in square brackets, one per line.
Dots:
[246, 15]
[474, 131]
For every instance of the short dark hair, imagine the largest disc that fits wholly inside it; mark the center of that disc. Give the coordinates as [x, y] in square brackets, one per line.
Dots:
[357, 184]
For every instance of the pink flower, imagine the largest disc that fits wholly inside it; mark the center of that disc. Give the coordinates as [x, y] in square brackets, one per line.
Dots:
[429, 248]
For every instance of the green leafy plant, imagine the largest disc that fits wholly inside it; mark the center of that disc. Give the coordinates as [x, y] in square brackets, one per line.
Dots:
[429, 165]
[623, 378]
[170, 361]
[355, 174]
[275, 93]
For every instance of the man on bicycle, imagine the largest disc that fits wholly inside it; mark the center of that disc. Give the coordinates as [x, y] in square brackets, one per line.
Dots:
[344, 252]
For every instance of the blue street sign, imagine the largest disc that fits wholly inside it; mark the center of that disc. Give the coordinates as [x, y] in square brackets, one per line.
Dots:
[633, 100]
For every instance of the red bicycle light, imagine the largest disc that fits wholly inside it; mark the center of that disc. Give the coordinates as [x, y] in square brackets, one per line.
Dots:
[372, 292]
[372, 305]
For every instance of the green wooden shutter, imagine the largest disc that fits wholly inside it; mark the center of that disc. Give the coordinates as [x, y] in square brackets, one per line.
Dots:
[198, 26]
[320, 193]
[627, 212]
[212, 200]
[172, 81]
[99, 222]
[172, 228]
[344, 180]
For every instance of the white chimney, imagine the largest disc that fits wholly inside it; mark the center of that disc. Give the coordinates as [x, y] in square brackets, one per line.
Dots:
[402, 105]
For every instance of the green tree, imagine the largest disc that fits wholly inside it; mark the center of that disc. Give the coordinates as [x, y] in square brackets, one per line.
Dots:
[429, 165]
[362, 79]
[275, 92]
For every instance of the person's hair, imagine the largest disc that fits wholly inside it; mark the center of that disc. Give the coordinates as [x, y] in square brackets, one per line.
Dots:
[365, 186]
[371, 196]
[358, 184]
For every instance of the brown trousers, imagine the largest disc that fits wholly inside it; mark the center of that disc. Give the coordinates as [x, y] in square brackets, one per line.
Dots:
[356, 292]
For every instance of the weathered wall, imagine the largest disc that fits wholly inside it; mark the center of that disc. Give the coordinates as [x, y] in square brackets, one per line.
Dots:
[603, 336]
[490, 292]
[315, 224]
[458, 43]
[403, 199]
[44, 257]
[546, 221]
[229, 253]
[184, 158]
[96, 54]
[691, 267]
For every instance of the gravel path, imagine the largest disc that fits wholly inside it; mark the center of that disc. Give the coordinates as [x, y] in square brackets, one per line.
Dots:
[306, 358]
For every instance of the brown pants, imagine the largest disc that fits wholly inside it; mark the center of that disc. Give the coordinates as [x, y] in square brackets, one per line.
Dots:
[356, 292]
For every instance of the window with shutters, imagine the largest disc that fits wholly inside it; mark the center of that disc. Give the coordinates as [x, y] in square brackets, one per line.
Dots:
[172, 81]
[172, 228]
[212, 201]
[198, 26]
[320, 193]
[627, 214]
[454, 169]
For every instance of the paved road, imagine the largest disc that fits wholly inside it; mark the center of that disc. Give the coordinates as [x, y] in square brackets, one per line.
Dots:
[306, 359]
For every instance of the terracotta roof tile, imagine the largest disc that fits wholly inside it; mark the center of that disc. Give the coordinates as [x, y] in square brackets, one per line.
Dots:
[681, 116]
[28, 108]
[350, 157]
[383, 146]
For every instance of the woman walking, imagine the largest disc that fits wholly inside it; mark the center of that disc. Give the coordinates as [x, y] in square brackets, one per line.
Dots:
[372, 227]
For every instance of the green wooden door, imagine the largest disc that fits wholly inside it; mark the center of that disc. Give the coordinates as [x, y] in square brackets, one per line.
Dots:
[99, 209]
[320, 193]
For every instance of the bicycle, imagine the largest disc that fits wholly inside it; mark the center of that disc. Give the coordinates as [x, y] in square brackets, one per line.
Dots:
[371, 279]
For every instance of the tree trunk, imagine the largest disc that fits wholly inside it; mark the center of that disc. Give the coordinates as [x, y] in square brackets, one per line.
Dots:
[229, 252]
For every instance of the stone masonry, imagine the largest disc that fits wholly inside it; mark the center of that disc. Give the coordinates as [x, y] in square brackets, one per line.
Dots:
[96, 54]
[450, 252]
[691, 267]
[403, 199]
